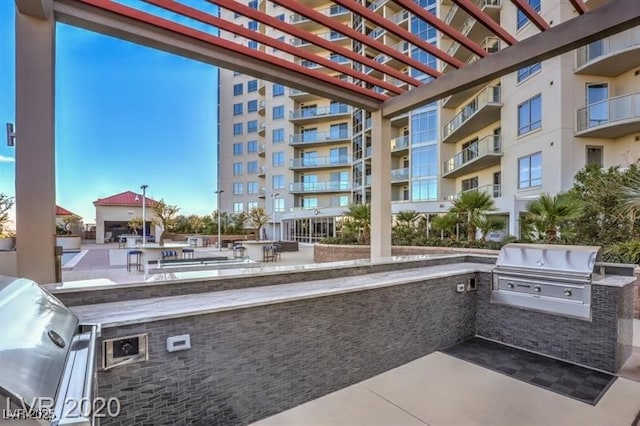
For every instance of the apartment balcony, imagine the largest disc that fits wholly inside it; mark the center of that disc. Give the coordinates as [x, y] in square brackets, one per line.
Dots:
[401, 120]
[262, 128]
[262, 193]
[610, 56]
[483, 110]
[309, 139]
[403, 47]
[262, 171]
[489, 44]
[333, 36]
[611, 118]
[319, 187]
[262, 88]
[401, 19]
[367, 152]
[336, 12]
[262, 149]
[262, 107]
[485, 153]
[304, 163]
[302, 96]
[314, 115]
[400, 175]
[400, 145]
[495, 191]
[338, 59]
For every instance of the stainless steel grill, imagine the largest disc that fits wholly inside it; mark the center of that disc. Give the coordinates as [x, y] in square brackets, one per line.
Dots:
[47, 359]
[549, 278]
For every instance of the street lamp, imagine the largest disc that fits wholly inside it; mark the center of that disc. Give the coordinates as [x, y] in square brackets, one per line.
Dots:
[144, 204]
[218, 192]
[273, 210]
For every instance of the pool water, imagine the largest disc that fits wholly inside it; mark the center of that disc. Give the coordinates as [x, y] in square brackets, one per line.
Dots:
[67, 257]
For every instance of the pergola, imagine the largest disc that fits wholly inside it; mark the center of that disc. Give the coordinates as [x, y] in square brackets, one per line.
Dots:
[385, 97]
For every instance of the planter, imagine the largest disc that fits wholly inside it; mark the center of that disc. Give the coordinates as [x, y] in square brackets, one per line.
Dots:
[68, 242]
[6, 244]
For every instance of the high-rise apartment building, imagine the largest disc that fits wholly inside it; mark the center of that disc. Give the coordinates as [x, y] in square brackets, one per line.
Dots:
[305, 158]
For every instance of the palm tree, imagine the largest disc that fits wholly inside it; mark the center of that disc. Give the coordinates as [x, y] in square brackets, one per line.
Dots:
[258, 218]
[407, 218]
[359, 216]
[549, 212]
[472, 205]
[487, 224]
[630, 198]
[446, 223]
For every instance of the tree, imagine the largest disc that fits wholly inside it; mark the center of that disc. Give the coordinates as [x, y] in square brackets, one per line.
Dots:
[472, 205]
[135, 224]
[446, 223]
[487, 224]
[408, 218]
[359, 221]
[71, 224]
[257, 218]
[165, 214]
[551, 212]
[195, 223]
[6, 203]
[238, 220]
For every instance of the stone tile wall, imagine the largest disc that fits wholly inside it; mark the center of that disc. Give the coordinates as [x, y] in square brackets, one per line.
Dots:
[334, 252]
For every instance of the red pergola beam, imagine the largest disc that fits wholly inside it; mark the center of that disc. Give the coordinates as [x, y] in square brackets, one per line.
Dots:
[171, 26]
[531, 13]
[579, 6]
[486, 20]
[442, 27]
[399, 31]
[204, 17]
[330, 23]
[312, 38]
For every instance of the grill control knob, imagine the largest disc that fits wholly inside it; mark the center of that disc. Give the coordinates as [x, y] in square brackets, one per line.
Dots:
[537, 289]
[510, 285]
[567, 292]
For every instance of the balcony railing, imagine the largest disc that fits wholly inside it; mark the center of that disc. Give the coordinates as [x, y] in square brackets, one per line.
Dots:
[400, 143]
[336, 109]
[318, 137]
[316, 162]
[609, 112]
[494, 191]
[328, 11]
[489, 95]
[315, 187]
[327, 35]
[488, 145]
[399, 175]
[607, 46]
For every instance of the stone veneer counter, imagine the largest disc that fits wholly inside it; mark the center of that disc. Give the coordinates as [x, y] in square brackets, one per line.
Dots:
[115, 314]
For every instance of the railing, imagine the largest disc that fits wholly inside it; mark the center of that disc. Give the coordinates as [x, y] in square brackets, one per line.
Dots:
[262, 149]
[367, 152]
[494, 191]
[396, 19]
[262, 170]
[402, 47]
[606, 46]
[480, 3]
[328, 11]
[400, 174]
[609, 111]
[311, 162]
[491, 144]
[399, 143]
[488, 95]
[367, 180]
[327, 35]
[329, 186]
[336, 109]
[367, 123]
[314, 137]
[297, 92]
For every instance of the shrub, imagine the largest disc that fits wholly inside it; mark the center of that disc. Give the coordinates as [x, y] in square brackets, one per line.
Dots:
[624, 252]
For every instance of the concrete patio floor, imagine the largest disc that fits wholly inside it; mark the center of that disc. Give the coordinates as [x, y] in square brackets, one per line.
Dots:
[441, 390]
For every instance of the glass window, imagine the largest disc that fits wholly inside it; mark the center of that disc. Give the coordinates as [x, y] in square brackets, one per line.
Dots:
[252, 106]
[252, 146]
[340, 201]
[252, 44]
[277, 181]
[280, 17]
[424, 127]
[424, 189]
[424, 161]
[526, 72]
[252, 86]
[252, 205]
[252, 126]
[252, 187]
[278, 90]
[339, 131]
[252, 167]
[237, 89]
[238, 207]
[278, 112]
[237, 128]
[530, 171]
[277, 158]
[237, 169]
[279, 205]
[310, 203]
[530, 115]
[522, 18]
[252, 25]
[237, 148]
[238, 188]
[277, 135]
[237, 109]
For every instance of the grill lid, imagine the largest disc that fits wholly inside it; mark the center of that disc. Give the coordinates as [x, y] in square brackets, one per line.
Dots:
[35, 337]
[549, 258]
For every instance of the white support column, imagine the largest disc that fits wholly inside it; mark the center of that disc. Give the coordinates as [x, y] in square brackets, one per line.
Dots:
[380, 187]
[35, 147]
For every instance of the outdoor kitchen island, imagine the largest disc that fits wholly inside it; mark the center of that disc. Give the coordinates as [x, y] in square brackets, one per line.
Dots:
[236, 356]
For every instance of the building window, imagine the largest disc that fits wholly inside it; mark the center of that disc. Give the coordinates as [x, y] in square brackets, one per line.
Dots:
[530, 115]
[252, 146]
[279, 205]
[252, 167]
[424, 161]
[277, 181]
[522, 18]
[278, 112]
[252, 205]
[594, 155]
[252, 106]
[252, 187]
[278, 90]
[280, 17]
[237, 148]
[252, 86]
[310, 203]
[277, 159]
[238, 188]
[252, 25]
[237, 89]
[237, 128]
[238, 207]
[469, 184]
[530, 171]
[526, 72]
[252, 126]
[340, 201]
[237, 109]
[252, 44]
[424, 127]
[237, 169]
[277, 135]
[424, 189]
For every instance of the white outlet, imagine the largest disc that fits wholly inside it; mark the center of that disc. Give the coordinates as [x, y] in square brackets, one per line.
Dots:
[460, 288]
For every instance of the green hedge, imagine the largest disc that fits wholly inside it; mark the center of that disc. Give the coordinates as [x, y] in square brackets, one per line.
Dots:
[624, 252]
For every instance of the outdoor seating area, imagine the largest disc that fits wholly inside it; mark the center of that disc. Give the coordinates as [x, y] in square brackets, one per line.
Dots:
[271, 253]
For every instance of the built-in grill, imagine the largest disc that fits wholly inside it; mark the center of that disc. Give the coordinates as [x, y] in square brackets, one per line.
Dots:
[549, 278]
[47, 359]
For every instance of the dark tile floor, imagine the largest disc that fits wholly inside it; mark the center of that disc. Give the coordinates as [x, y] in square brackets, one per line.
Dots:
[567, 379]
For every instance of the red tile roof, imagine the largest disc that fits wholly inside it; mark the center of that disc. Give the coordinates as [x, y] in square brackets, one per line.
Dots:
[127, 198]
[61, 211]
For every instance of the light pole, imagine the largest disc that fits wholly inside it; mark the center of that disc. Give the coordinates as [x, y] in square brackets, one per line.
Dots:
[273, 211]
[144, 204]
[218, 192]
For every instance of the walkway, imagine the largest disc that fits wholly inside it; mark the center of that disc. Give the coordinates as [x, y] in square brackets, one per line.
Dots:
[96, 258]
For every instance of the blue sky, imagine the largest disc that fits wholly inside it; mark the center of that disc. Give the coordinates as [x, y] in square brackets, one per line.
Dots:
[126, 115]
